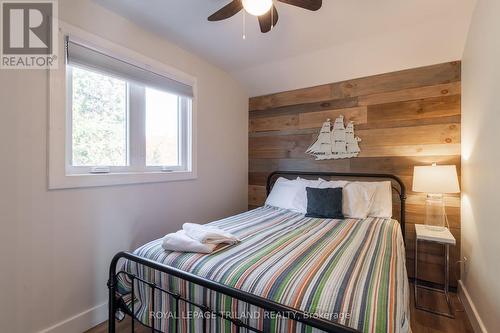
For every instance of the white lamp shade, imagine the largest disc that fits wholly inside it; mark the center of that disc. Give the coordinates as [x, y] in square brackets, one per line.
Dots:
[436, 179]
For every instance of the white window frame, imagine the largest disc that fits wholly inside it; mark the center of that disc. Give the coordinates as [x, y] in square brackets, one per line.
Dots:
[61, 172]
[83, 170]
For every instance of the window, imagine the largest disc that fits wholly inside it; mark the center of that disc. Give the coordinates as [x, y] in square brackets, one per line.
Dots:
[162, 128]
[99, 117]
[123, 118]
[118, 118]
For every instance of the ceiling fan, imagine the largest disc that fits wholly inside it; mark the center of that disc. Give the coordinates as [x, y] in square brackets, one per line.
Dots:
[265, 10]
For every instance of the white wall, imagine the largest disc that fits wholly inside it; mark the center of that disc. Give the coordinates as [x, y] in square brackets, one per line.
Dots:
[480, 164]
[436, 41]
[55, 246]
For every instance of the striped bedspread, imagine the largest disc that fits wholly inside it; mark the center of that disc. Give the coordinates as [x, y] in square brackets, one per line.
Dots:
[349, 271]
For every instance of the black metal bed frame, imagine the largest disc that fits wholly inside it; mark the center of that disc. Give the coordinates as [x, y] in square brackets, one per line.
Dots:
[268, 306]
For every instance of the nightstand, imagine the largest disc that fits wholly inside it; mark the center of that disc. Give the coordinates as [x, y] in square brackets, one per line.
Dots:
[444, 237]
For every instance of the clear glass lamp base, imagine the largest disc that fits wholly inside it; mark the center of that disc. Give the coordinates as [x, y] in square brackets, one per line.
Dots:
[435, 228]
[434, 212]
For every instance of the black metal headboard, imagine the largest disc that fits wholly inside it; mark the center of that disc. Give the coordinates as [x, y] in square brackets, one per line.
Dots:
[400, 189]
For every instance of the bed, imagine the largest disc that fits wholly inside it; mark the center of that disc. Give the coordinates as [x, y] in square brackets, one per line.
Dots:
[290, 273]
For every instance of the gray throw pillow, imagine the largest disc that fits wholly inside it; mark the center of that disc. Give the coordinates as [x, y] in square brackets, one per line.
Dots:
[324, 203]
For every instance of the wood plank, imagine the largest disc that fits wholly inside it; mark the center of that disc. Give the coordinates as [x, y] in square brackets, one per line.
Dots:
[309, 131]
[298, 150]
[258, 178]
[269, 165]
[331, 104]
[409, 123]
[406, 79]
[256, 195]
[395, 81]
[293, 146]
[299, 96]
[401, 166]
[357, 115]
[415, 110]
[277, 123]
[447, 89]
[411, 150]
[417, 135]
[374, 125]
[306, 120]
[273, 153]
[286, 142]
[429, 140]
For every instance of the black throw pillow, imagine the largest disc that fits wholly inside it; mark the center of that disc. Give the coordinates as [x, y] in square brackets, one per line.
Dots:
[324, 203]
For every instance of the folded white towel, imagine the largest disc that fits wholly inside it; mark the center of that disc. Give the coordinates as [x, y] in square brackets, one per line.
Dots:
[181, 242]
[209, 234]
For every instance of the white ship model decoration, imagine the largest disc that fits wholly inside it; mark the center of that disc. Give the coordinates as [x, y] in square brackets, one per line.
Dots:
[335, 143]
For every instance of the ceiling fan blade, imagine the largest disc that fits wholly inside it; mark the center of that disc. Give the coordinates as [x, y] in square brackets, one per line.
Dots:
[306, 4]
[227, 11]
[266, 19]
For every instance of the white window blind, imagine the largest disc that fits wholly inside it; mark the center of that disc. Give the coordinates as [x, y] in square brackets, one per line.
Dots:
[78, 54]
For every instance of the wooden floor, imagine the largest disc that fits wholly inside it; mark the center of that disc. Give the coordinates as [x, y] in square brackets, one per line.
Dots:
[425, 322]
[421, 321]
[121, 327]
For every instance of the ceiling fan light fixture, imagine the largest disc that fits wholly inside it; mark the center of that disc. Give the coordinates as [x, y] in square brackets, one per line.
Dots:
[257, 7]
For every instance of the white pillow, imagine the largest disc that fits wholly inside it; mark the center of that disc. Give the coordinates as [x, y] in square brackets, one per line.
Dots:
[382, 200]
[283, 193]
[300, 200]
[309, 182]
[332, 183]
[357, 200]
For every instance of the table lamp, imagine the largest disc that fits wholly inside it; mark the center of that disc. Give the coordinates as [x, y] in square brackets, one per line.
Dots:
[435, 180]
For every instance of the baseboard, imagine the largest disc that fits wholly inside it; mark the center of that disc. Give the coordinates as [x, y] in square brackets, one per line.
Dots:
[470, 309]
[81, 322]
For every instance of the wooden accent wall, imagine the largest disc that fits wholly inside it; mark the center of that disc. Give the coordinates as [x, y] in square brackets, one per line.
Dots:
[405, 118]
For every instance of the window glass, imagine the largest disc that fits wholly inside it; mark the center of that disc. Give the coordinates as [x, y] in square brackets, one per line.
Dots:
[99, 119]
[162, 128]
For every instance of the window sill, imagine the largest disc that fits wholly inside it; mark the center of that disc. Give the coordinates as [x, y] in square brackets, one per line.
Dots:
[114, 179]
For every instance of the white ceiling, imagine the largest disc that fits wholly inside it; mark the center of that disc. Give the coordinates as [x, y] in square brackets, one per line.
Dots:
[300, 33]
